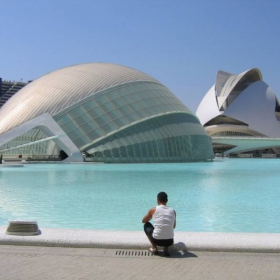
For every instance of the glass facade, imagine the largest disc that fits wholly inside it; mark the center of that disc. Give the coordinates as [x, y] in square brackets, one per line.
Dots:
[169, 138]
[135, 122]
[42, 149]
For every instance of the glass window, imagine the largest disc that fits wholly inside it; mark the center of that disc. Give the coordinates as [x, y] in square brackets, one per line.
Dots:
[96, 112]
[79, 142]
[127, 99]
[130, 88]
[114, 114]
[112, 95]
[150, 111]
[107, 154]
[74, 134]
[160, 148]
[89, 105]
[176, 147]
[63, 120]
[82, 119]
[121, 92]
[146, 94]
[156, 110]
[137, 150]
[168, 148]
[149, 148]
[143, 104]
[98, 154]
[130, 151]
[142, 114]
[153, 102]
[116, 153]
[123, 152]
[106, 107]
[156, 93]
[153, 86]
[94, 134]
[125, 110]
[131, 118]
[68, 127]
[101, 99]
[117, 102]
[101, 120]
[134, 106]
[108, 127]
[121, 122]
[143, 149]
[155, 150]
[162, 93]
[88, 127]
[134, 97]
[76, 112]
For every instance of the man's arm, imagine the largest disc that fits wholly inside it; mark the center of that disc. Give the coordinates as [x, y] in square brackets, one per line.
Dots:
[149, 215]
[175, 219]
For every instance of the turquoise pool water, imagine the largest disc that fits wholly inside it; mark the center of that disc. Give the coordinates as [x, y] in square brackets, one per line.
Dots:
[226, 195]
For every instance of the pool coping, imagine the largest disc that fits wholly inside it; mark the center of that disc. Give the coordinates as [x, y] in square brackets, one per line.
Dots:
[190, 241]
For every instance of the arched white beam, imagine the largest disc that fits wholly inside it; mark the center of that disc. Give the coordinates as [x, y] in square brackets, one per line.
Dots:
[244, 144]
[233, 81]
[208, 108]
[48, 125]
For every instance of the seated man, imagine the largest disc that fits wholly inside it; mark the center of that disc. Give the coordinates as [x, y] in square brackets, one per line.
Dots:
[164, 218]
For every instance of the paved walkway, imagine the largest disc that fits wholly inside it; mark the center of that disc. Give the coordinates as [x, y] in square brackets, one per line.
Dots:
[36, 262]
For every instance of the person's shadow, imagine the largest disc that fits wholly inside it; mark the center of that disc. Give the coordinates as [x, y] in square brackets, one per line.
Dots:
[179, 250]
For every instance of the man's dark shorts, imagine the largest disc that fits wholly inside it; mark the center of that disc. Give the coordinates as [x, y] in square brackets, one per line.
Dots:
[149, 229]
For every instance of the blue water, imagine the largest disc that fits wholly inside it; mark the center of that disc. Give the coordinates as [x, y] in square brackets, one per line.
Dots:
[226, 195]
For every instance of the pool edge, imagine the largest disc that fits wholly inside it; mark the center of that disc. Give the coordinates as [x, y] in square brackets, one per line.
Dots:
[190, 241]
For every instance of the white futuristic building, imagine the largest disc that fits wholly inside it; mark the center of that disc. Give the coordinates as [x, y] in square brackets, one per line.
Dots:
[240, 107]
[100, 112]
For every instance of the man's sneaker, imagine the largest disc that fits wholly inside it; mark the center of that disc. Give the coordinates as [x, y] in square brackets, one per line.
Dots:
[153, 251]
[166, 252]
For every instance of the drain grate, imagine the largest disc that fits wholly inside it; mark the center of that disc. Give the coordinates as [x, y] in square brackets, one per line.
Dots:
[127, 253]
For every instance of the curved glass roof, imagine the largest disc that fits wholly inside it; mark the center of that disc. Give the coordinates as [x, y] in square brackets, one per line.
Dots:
[59, 89]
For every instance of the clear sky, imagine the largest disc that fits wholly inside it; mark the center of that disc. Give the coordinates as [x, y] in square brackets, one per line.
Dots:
[181, 43]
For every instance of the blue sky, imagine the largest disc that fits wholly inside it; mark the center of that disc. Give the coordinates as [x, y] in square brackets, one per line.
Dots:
[180, 43]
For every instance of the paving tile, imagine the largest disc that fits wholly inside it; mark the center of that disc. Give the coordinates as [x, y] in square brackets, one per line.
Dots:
[29, 262]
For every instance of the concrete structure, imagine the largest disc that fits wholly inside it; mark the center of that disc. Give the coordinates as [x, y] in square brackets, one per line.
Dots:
[239, 106]
[8, 89]
[103, 112]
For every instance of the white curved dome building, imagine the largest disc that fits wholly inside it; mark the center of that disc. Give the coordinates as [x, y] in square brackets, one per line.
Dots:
[240, 105]
[102, 112]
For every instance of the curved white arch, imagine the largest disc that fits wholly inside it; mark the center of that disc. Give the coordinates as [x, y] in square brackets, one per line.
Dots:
[208, 108]
[232, 82]
[47, 124]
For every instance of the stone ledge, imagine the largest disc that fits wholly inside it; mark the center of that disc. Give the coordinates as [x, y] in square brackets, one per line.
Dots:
[191, 241]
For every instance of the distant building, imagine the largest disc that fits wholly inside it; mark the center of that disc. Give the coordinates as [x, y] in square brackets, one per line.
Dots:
[8, 89]
[101, 112]
[241, 106]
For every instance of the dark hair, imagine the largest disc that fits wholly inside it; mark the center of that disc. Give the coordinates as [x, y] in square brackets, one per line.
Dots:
[162, 197]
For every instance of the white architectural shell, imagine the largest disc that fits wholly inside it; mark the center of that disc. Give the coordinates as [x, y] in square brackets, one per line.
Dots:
[105, 112]
[240, 105]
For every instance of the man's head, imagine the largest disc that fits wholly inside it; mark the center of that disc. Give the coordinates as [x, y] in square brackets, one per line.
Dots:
[162, 197]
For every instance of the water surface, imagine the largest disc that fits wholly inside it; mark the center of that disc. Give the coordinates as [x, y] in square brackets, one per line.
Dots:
[226, 195]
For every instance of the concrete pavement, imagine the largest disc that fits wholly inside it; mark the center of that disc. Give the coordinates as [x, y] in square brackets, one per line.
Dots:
[36, 262]
[87, 254]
